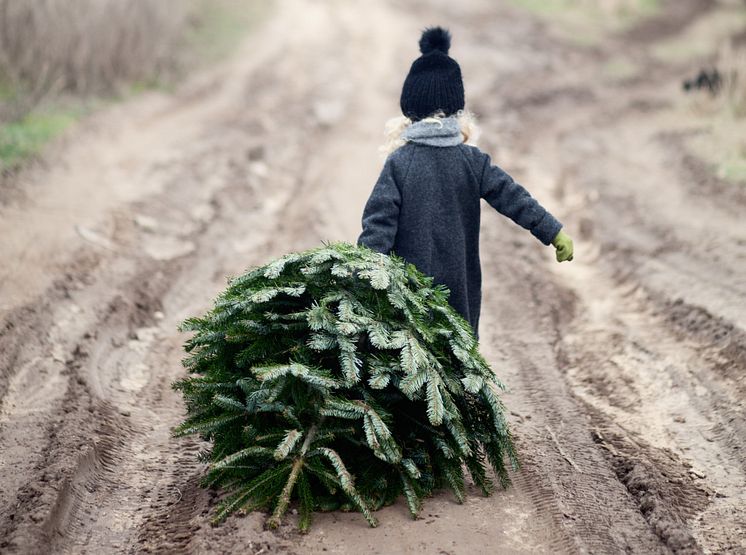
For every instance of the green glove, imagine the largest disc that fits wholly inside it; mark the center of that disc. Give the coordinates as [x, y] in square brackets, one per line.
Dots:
[563, 244]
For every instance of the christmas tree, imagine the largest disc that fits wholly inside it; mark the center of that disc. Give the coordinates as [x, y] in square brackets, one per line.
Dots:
[340, 378]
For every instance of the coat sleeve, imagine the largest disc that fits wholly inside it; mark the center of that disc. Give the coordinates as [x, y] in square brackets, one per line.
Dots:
[512, 200]
[381, 214]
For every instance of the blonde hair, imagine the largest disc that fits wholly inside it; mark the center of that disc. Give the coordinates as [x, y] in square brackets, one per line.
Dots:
[396, 126]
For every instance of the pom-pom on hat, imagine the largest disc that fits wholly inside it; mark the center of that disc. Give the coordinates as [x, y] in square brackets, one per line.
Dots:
[434, 81]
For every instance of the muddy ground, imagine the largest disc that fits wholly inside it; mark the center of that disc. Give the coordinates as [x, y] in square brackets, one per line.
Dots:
[625, 367]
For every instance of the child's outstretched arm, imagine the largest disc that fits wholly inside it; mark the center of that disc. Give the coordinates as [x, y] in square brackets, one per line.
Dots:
[381, 214]
[514, 201]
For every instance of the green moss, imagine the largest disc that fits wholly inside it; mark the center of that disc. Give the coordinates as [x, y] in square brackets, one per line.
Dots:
[22, 139]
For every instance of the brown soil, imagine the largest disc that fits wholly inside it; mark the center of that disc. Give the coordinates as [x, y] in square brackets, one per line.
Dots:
[625, 367]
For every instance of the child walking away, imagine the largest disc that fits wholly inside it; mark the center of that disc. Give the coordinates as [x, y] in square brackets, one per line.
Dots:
[425, 206]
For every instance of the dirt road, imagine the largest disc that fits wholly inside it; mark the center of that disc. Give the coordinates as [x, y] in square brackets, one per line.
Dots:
[626, 367]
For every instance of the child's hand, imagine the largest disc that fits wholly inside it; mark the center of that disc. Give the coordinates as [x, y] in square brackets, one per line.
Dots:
[563, 244]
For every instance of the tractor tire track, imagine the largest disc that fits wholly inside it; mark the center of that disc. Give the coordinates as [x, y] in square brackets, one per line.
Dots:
[626, 390]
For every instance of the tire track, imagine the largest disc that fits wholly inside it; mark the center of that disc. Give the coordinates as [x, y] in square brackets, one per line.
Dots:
[230, 205]
[264, 157]
[553, 424]
[654, 368]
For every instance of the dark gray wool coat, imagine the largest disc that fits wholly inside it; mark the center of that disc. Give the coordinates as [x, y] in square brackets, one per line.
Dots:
[425, 207]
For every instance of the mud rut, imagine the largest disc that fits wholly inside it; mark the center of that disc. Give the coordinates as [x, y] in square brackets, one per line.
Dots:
[625, 367]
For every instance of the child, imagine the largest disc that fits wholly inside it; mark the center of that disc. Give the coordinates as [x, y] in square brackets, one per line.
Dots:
[425, 205]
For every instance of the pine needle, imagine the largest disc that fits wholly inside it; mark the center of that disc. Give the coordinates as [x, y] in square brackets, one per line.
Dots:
[340, 378]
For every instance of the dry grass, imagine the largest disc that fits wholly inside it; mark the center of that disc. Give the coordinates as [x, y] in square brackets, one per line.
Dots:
[713, 40]
[724, 115]
[58, 58]
[613, 8]
[588, 21]
[618, 8]
[83, 46]
[732, 66]
[700, 39]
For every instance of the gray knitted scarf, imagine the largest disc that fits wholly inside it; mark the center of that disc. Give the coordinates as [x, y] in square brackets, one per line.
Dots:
[445, 132]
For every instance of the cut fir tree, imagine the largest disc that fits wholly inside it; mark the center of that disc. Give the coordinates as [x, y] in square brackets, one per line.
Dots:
[340, 378]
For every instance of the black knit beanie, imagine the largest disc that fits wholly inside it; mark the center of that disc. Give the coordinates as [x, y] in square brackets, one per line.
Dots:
[434, 81]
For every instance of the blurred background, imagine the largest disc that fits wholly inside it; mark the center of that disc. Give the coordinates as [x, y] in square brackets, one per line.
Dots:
[151, 148]
[59, 59]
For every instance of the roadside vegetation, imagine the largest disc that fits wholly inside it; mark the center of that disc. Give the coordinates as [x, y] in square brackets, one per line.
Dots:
[60, 59]
[715, 46]
[713, 42]
[702, 37]
[723, 114]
